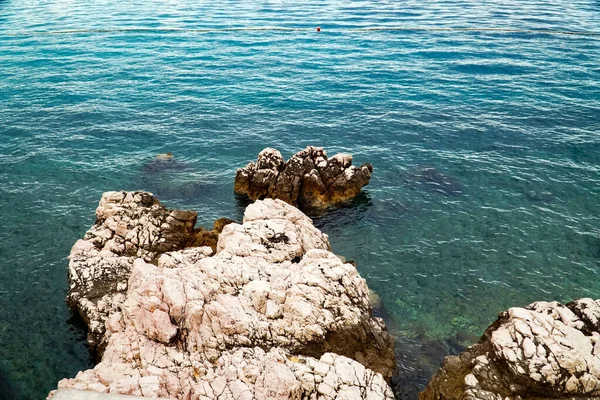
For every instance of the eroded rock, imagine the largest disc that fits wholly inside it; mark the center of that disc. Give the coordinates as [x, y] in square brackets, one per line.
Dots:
[128, 225]
[244, 373]
[545, 350]
[308, 179]
[273, 314]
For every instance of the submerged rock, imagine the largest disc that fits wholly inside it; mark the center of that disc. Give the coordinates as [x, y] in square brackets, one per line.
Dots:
[161, 164]
[165, 156]
[546, 350]
[430, 179]
[308, 179]
[273, 314]
[539, 196]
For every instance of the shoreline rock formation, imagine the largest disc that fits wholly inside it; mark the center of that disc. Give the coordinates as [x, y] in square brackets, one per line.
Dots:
[543, 351]
[128, 226]
[308, 179]
[271, 314]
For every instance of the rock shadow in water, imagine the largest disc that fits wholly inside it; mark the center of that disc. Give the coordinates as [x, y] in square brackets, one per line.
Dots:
[539, 196]
[8, 389]
[79, 327]
[174, 179]
[351, 211]
[420, 360]
[432, 180]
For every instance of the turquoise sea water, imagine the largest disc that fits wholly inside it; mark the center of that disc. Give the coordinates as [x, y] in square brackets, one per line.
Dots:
[510, 122]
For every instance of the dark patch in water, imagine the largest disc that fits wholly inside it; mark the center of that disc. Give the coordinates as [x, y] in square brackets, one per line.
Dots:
[189, 191]
[432, 180]
[418, 361]
[157, 166]
[79, 327]
[241, 202]
[593, 244]
[8, 389]
[162, 178]
[539, 196]
[170, 180]
[436, 350]
[349, 212]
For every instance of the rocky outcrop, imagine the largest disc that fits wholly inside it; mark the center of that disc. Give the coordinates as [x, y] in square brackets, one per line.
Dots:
[273, 314]
[308, 179]
[543, 351]
[128, 226]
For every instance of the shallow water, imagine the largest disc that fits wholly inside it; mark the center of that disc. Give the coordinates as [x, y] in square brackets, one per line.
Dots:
[511, 120]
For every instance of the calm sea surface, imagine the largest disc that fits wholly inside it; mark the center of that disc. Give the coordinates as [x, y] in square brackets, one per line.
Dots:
[486, 148]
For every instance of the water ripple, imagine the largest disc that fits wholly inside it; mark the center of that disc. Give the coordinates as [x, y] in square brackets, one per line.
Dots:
[510, 118]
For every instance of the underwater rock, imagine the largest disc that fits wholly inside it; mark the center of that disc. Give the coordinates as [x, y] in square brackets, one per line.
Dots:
[308, 179]
[272, 314]
[430, 179]
[545, 350]
[539, 196]
[164, 156]
[163, 163]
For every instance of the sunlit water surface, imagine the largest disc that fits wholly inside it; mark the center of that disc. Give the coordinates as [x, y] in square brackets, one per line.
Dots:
[509, 121]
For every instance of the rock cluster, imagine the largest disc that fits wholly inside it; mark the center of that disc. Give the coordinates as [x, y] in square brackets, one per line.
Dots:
[546, 350]
[308, 179]
[272, 314]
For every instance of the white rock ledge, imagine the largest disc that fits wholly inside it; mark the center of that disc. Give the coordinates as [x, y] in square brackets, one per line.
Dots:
[273, 314]
[72, 394]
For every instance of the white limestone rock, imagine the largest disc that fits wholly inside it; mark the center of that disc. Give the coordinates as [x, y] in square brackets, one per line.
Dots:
[196, 325]
[545, 350]
[128, 225]
[243, 373]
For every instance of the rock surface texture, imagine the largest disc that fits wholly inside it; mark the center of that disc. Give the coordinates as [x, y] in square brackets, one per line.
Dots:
[272, 314]
[543, 351]
[128, 226]
[308, 179]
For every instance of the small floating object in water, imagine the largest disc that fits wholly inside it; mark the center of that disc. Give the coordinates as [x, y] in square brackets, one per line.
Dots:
[165, 156]
[318, 29]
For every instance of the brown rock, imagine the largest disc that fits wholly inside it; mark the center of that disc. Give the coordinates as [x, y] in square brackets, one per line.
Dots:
[308, 179]
[201, 237]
